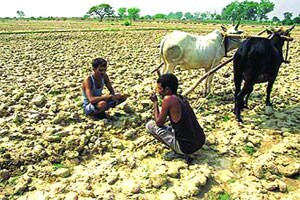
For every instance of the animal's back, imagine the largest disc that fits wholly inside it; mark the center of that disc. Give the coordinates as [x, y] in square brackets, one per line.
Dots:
[191, 51]
[178, 38]
[254, 51]
[257, 56]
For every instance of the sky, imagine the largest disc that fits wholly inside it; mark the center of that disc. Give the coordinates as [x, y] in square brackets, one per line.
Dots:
[78, 8]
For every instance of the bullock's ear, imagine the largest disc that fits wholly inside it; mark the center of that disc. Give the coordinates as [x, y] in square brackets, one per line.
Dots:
[224, 28]
[269, 31]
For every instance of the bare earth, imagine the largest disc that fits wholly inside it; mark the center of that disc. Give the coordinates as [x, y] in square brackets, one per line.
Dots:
[50, 150]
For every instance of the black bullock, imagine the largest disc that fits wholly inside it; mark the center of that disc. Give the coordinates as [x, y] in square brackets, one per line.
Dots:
[257, 60]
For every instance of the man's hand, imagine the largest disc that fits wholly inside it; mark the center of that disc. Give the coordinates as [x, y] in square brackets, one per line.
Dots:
[106, 97]
[153, 98]
[116, 97]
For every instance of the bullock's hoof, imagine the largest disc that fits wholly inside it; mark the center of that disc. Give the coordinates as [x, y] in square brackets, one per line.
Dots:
[203, 94]
[207, 94]
[240, 121]
[245, 107]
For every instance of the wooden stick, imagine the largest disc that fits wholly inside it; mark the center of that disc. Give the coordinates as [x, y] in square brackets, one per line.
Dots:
[190, 89]
[157, 68]
[39, 113]
[287, 52]
[144, 144]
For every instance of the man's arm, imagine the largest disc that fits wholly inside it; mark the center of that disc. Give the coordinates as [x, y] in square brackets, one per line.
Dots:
[108, 85]
[89, 94]
[160, 117]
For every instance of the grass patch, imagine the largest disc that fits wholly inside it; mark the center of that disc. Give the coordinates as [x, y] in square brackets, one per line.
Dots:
[54, 92]
[209, 129]
[220, 196]
[13, 180]
[249, 150]
[226, 118]
[77, 99]
[231, 181]
[127, 23]
[57, 166]
[224, 196]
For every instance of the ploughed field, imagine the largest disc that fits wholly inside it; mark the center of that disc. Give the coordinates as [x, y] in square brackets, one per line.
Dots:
[50, 150]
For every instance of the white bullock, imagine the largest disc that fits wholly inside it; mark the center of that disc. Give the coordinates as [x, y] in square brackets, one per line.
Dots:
[193, 52]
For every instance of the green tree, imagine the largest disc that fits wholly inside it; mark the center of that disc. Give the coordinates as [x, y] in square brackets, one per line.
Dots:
[176, 15]
[213, 15]
[188, 15]
[147, 17]
[179, 15]
[159, 16]
[233, 11]
[287, 18]
[196, 15]
[122, 12]
[102, 10]
[249, 9]
[203, 16]
[133, 13]
[218, 17]
[296, 20]
[20, 13]
[171, 15]
[287, 15]
[264, 7]
[275, 19]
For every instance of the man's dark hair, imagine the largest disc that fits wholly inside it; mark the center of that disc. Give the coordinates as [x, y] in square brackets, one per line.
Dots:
[99, 62]
[169, 80]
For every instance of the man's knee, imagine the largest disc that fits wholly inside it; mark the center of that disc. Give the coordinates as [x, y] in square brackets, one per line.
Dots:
[101, 105]
[151, 126]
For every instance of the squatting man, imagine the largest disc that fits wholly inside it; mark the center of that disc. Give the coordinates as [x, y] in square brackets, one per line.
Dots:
[94, 102]
[185, 136]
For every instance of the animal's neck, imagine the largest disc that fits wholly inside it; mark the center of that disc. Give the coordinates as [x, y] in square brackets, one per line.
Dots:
[232, 44]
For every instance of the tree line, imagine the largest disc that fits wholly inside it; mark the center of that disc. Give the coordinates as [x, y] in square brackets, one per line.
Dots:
[234, 11]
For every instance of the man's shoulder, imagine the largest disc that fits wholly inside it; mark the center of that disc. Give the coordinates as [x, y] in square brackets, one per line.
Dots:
[87, 80]
[171, 99]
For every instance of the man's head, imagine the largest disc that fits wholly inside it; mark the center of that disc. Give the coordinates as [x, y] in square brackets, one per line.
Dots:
[167, 84]
[99, 66]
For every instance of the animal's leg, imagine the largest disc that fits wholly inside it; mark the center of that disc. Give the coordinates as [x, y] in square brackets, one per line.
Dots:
[237, 82]
[269, 88]
[238, 78]
[208, 83]
[239, 103]
[246, 100]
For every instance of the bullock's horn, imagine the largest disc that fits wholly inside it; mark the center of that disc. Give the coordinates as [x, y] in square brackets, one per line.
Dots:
[271, 36]
[224, 28]
[237, 25]
[286, 38]
[261, 32]
[269, 31]
[290, 29]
